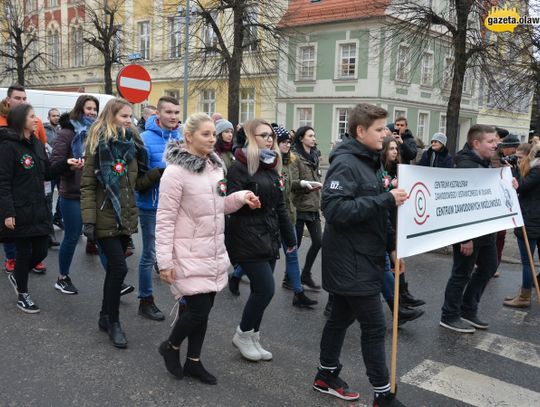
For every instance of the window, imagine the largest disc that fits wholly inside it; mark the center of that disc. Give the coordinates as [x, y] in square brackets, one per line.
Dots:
[342, 115]
[53, 3]
[32, 45]
[442, 124]
[347, 61]
[175, 35]
[423, 126]
[247, 104]
[399, 113]
[304, 116]
[77, 47]
[175, 93]
[250, 29]
[306, 63]
[54, 49]
[448, 73]
[144, 39]
[426, 77]
[403, 62]
[31, 5]
[210, 37]
[117, 43]
[208, 101]
[468, 83]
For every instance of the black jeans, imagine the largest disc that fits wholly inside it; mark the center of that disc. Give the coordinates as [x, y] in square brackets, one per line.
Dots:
[465, 287]
[312, 220]
[192, 323]
[30, 251]
[369, 313]
[261, 280]
[113, 248]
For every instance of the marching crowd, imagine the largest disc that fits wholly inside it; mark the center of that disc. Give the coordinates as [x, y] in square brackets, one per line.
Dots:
[206, 195]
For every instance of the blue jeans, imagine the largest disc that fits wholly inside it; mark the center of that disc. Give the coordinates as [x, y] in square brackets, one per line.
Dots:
[10, 250]
[388, 281]
[71, 213]
[148, 257]
[292, 269]
[525, 264]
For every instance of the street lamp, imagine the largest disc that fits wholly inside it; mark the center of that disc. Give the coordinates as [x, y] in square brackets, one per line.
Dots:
[188, 11]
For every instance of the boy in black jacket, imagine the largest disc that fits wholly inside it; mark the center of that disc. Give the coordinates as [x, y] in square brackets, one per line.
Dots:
[356, 206]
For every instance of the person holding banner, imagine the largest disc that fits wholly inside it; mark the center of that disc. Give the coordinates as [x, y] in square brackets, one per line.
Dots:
[465, 287]
[356, 207]
[529, 199]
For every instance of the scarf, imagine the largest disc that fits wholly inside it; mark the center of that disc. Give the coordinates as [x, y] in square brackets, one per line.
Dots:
[267, 158]
[312, 157]
[223, 147]
[113, 158]
[81, 127]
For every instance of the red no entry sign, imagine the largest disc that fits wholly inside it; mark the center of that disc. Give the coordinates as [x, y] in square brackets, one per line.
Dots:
[134, 83]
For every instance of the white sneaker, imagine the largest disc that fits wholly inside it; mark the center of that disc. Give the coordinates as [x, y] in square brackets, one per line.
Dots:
[265, 355]
[244, 342]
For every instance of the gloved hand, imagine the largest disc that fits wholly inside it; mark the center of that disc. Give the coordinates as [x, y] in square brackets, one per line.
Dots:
[305, 184]
[89, 231]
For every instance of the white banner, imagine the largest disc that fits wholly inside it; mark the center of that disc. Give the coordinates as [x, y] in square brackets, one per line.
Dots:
[450, 205]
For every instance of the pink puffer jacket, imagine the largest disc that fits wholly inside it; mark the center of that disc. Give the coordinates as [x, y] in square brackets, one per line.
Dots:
[191, 222]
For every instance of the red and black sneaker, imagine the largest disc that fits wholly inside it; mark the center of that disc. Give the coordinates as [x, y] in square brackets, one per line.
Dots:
[327, 381]
[9, 266]
[39, 268]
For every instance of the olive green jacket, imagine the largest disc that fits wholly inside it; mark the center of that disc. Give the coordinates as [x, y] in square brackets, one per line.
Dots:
[290, 173]
[305, 200]
[97, 209]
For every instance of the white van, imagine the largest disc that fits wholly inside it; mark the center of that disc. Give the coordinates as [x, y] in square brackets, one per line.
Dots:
[43, 100]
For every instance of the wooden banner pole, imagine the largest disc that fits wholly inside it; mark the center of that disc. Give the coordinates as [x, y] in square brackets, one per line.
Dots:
[531, 262]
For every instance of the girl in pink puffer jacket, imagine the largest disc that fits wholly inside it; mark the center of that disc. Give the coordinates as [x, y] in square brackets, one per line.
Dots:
[190, 245]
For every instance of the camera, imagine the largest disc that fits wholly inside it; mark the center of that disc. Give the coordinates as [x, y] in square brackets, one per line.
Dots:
[510, 159]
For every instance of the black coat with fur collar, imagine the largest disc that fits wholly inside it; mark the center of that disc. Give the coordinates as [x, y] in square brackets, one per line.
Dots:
[255, 235]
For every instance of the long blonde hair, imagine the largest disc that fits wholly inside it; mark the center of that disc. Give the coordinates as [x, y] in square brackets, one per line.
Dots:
[105, 127]
[253, 151]
[525, 164]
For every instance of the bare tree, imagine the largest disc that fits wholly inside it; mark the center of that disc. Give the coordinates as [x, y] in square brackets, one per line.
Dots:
[103, 31]
[21, 50]
[234, 40]
[458, 26]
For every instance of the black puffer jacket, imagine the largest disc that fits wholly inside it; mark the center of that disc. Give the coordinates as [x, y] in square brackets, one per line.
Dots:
[467, 158]
[254, 235]
[442, 159]
[407, 149]
[356, 207]
[24, 168]
[529, 200]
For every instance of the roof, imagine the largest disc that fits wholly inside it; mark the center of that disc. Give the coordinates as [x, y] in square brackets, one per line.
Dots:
[308, 12]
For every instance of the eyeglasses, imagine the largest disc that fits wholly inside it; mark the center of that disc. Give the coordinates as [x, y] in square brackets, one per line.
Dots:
[266, 136]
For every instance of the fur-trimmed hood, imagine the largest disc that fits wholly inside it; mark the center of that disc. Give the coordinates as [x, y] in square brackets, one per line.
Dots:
[176, 154]
[64, 122]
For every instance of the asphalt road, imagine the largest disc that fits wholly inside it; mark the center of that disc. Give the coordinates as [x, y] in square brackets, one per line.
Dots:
[60, 358]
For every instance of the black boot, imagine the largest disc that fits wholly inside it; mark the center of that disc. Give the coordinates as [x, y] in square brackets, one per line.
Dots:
[172, 359]
[116, 335]
[386, 400]
[103, 323]
[308, 281]
[148, 309]
[406, 298]
[405, 314]
[234, 285]
[301, 300]
[196, 369]
[52, 242]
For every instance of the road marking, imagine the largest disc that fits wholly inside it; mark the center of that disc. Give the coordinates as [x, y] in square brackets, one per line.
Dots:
[520, 351]
[511, 315]
[468, 387]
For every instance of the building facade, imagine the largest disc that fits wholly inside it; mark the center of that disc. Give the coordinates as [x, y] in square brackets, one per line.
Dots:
[155, 31]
